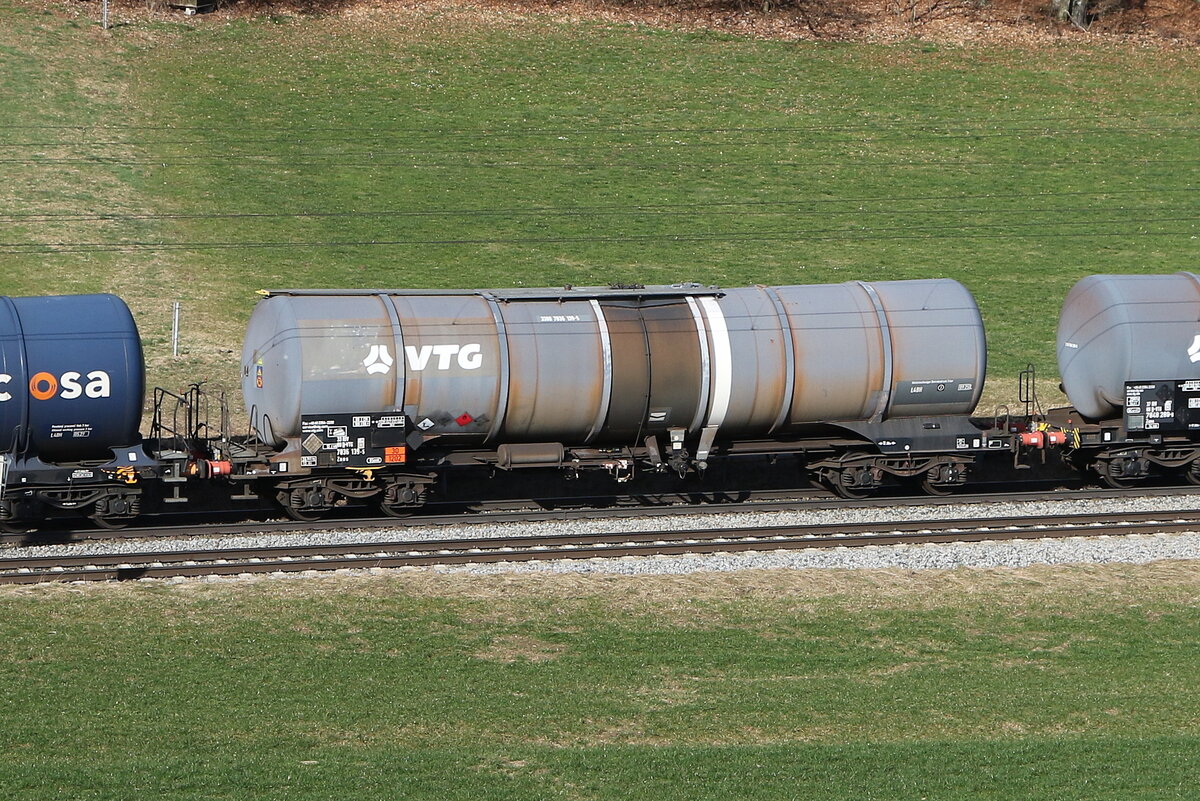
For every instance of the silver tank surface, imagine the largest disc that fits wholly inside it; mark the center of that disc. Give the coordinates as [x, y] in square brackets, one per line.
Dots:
[599, 365]
[1119, 328]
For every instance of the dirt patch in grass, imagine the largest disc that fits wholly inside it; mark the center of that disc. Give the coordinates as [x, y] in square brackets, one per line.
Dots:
[511, 648]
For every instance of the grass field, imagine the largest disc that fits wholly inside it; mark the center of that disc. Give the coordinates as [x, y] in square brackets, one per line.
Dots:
[449, 146]
[1038, 684]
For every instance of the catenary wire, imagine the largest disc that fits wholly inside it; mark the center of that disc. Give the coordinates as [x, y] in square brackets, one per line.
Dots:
[960, 232]
[810, 164]
[536, 130]
[747, 209]
[361, 139]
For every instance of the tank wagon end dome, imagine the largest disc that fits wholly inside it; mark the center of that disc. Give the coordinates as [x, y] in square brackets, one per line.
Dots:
[1114, 329]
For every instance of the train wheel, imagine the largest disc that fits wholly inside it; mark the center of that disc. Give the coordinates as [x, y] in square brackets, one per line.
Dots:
[1123, 472]
[942, 480]
[850, 493]
[110, 523]
[305, 505]
[303, 515]
[394, 510]
[1191, 474]
[940, 490]
[16, 526]
[401, 499]
[852, 483]
[1116, 482]
[115, 512]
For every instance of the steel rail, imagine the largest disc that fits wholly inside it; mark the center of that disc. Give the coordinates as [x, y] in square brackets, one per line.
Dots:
[514, 512]
[226, 561]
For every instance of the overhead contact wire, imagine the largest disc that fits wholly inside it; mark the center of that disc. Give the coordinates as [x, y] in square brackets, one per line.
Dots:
[962, 232]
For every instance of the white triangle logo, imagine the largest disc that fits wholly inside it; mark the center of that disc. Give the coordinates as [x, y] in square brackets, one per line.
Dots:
[379, 360]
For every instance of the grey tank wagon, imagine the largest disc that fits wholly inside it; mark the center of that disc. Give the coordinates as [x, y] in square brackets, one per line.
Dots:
[396, 382]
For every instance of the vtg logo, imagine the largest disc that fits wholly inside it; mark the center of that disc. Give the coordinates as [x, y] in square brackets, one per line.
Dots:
[440, 357]
[469, 357]
[70, 385]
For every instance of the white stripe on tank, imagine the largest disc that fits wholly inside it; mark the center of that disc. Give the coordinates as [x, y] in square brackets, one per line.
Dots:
[705, 379]
[722, 362]
[606, 354]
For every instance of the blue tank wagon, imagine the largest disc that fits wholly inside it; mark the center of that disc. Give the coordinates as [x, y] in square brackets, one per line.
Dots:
[72, 383]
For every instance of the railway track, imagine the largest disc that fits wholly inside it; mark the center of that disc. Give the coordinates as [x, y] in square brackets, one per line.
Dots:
[400, 553]
[525, 512]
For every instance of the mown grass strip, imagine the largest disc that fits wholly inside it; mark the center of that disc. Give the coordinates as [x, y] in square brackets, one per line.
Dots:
[1043, 683]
